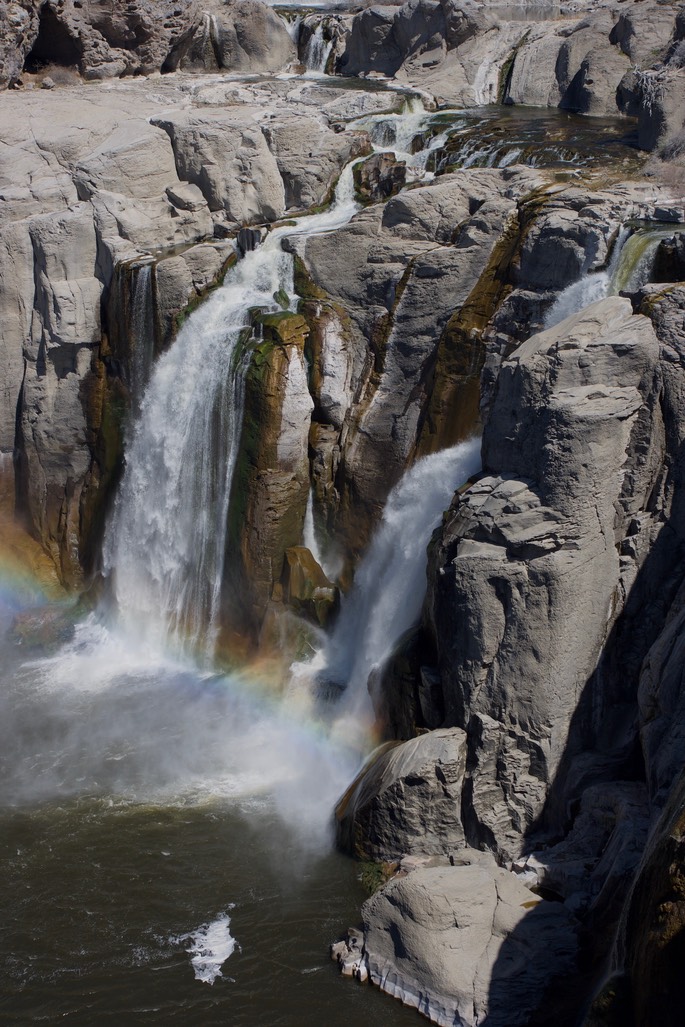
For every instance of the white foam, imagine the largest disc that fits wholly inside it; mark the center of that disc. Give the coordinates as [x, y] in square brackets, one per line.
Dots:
[210, 946]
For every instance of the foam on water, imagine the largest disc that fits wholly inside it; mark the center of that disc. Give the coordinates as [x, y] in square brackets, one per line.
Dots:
[210, 946]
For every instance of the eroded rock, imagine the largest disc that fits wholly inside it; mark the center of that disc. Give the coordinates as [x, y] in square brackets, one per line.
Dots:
[466, 944]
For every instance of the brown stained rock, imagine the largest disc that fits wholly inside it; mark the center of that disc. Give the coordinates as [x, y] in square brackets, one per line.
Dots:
[306, 588]
[379, 177]
[271, 481]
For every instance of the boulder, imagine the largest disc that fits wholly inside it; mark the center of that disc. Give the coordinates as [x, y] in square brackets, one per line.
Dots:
[467, 945]
[406, 799]
[227, 156]
[380, 177]
[301, 141]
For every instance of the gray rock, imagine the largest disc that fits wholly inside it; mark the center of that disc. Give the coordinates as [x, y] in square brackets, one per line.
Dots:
[407, 799]
[467, 945]
[242, 36]
[228, 158]
[523, 585]
[300, 142]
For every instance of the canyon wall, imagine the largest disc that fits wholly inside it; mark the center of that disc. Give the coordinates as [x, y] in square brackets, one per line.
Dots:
[538, 703]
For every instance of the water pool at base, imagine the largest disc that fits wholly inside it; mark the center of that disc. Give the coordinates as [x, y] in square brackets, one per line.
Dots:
[100, 902]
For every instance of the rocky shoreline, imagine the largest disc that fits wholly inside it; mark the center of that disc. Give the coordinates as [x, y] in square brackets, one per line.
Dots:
[532, 802]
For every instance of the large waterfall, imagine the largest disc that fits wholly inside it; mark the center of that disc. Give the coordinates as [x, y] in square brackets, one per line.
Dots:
[165, 544]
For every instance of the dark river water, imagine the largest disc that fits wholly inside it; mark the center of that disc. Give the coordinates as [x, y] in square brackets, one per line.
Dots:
[161, 829]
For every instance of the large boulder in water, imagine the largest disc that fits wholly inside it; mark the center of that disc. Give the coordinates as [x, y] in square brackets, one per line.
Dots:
[467, 944]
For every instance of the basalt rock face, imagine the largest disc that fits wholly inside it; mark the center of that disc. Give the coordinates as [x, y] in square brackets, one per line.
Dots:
[398, 272]
[452, 941]
[555, 618]
[530, 570]
[100, 40]
[463, 55]
[103, 41]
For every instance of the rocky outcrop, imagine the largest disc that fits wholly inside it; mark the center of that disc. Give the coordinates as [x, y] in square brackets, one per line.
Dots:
[399, 272]
[103, 41]
[596, 63]
[406, 799]
[271, 480]
[240, 36]
[467, 944]
[380, 177]
[82, 201]
[540, 535]
[306, 589]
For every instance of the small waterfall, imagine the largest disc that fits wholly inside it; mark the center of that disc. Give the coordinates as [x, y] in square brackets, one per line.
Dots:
[636, 263]
[142, 330]
[293, 25]
[317, 50]
[390, 583]
[404, 133]
[309, 538]
[631, 264]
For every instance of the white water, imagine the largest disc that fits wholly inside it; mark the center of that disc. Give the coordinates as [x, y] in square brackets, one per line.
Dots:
[396, 133]
[629, 269]
[210, 946]
[309, 539]
[165, 544]
[317, 51]
[122, 710]
[390, 583]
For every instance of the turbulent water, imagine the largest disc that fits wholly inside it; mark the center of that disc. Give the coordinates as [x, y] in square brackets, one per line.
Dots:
[629, 268]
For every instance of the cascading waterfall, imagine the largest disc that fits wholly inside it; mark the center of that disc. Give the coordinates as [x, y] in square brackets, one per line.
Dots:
[317, 50]
[165, 544]
[401, 133]
[390, 582]
[629, 268]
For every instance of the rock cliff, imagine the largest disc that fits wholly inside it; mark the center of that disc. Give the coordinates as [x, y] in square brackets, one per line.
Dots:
[535, 715]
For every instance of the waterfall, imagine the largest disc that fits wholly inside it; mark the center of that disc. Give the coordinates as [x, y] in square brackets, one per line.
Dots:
[390, 583]
[629, 269]
[165, 544]
[309, 535]
[141, 330]
[317, 50]
[401, 133]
